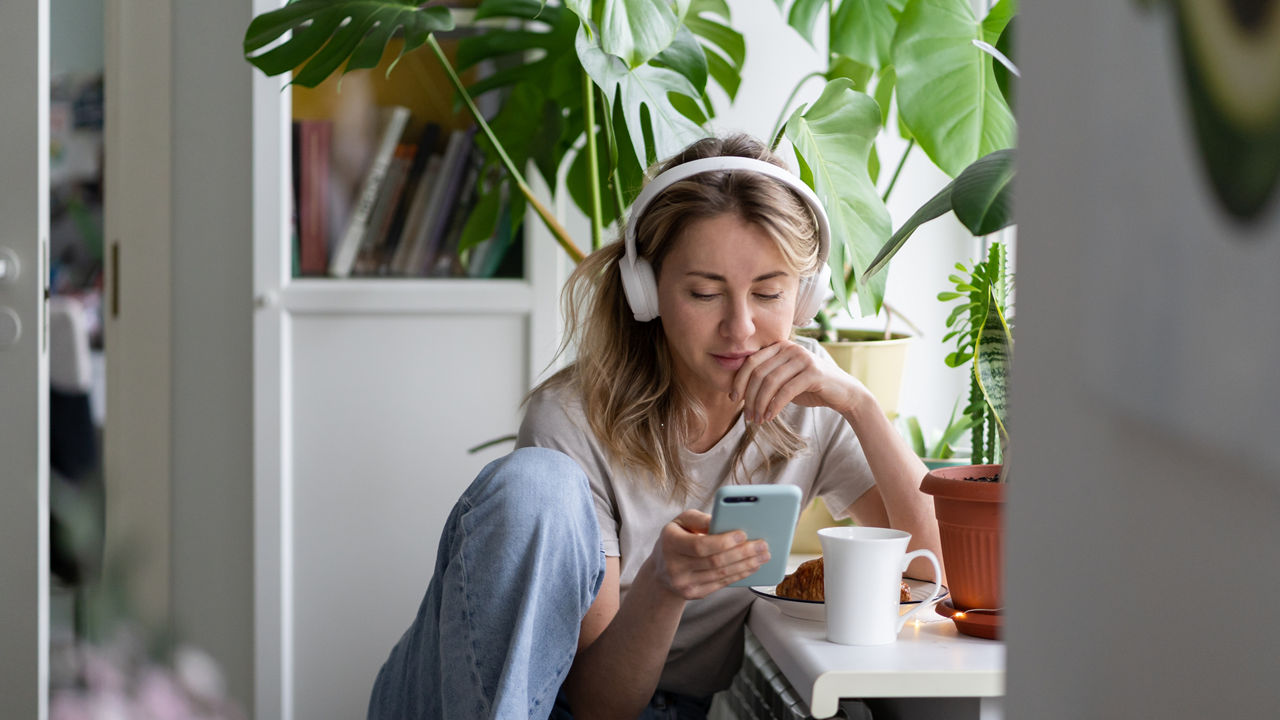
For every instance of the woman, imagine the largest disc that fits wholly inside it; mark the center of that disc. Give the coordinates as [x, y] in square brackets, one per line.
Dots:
[589, 569]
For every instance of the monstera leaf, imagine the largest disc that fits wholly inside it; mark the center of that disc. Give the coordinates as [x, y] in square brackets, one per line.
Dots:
[858, 29]
[327, 34]
[634, 30]
[643, 90]
[833, 140]
[947, 91]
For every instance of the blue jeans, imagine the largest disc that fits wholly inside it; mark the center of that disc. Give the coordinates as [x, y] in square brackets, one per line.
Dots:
[518, 566]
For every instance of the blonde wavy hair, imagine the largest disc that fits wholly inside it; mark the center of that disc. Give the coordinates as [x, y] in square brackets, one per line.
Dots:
[623, 370]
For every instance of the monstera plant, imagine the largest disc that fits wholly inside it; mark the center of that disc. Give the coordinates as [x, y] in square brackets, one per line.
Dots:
[607, 87]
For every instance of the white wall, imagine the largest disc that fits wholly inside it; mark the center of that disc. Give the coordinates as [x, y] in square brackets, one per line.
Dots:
[1141, 543]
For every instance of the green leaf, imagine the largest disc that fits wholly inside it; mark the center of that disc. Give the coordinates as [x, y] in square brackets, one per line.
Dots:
[936, 206]
[1004, 77]
[982, 195]
[863, 30]
[483, 220]
[641, 89]
[947, 93]
[328, 33]
[846, 67]
[724, 47]
[685, 56]
[725, 74]
[833, 139]
[804, 13]
[957, 425]
[888, 77]
[997, 19]
[917, 436]
[995, 353]
[728, 40]
[636, 30]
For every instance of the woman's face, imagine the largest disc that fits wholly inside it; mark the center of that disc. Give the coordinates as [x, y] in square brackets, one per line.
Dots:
[725, 291]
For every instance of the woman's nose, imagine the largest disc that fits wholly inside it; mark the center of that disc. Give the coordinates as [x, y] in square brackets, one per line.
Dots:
[738, 322]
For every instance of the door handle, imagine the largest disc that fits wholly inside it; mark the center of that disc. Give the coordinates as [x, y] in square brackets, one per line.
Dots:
[9, 266]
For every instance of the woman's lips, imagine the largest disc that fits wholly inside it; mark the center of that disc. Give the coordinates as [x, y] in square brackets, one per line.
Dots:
[731, 361]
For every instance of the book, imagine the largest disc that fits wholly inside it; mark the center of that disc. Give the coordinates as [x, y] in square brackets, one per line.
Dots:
[445, 196]
[426, 147]
[311, 151]
[425, 236]
[409, 252]
[369, 259]
[344, 255]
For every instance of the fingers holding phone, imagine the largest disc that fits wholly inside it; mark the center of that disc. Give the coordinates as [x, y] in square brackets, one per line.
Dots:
[693, 563]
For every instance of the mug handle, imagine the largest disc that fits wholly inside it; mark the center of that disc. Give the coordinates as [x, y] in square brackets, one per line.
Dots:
[937, 585]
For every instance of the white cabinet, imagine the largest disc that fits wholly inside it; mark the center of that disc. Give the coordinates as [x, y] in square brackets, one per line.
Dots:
[367, 394]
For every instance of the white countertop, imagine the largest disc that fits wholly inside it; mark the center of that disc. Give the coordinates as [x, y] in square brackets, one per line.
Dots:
[930, 659]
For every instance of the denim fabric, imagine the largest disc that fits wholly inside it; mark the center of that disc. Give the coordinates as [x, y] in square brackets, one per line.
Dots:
[519, 564]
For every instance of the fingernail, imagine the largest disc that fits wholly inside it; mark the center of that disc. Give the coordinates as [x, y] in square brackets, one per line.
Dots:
[733, 396]
[739, 538]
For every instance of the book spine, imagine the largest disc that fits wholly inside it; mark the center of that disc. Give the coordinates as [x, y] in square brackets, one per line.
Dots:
[313, 252]
[448, 190]
[344, 255]
[396, 233]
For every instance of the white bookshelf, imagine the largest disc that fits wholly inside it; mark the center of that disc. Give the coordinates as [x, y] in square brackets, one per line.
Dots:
[367, 393]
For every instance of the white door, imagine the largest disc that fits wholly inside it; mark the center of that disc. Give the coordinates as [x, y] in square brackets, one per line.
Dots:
[24, 382]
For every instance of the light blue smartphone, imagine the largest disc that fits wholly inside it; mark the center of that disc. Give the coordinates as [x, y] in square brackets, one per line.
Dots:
[767, 512]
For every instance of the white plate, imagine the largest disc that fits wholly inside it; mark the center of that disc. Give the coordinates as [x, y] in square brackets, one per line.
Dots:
[816, 610]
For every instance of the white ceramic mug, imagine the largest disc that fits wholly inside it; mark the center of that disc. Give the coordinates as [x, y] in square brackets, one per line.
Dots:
[862, 579]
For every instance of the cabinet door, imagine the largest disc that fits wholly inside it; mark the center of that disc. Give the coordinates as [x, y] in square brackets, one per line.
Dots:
[24, 382]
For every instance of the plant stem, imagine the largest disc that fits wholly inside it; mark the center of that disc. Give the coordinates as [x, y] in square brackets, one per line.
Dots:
[593, 160]
[776, 135]
[902, 161]
[557, 230]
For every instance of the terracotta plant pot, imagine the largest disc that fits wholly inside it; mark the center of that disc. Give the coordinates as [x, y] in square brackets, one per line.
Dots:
[970, 522]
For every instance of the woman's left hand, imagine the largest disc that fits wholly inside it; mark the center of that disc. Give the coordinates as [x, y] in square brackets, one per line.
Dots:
[785, 373]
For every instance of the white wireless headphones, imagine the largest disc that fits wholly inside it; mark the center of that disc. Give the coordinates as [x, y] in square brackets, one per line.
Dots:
[638, 281]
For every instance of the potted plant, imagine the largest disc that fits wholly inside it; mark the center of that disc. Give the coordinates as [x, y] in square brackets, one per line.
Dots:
[969, 499]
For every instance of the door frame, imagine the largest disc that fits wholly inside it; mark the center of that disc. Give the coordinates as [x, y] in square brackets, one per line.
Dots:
[24, 364]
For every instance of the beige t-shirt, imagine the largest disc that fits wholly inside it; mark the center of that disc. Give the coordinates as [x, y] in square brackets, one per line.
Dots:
[632, 511]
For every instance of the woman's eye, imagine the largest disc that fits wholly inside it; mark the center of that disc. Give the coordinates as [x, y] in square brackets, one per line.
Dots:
[702, 296]
[767, 296]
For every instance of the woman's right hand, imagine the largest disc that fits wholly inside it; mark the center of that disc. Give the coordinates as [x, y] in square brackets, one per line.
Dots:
[691, 564]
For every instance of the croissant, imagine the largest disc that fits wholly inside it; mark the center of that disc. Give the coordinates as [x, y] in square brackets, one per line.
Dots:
[806, 584]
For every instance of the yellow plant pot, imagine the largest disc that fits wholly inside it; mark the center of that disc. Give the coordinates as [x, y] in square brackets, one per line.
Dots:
[878, 363]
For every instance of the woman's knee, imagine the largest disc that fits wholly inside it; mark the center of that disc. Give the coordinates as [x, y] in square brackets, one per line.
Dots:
[531, 486]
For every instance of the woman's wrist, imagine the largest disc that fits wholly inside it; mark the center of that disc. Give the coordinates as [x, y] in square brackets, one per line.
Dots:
[860, 404]
[649, 582]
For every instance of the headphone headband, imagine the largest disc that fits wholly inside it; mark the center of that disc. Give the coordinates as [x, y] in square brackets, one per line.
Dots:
[721, 163]
[638, 281]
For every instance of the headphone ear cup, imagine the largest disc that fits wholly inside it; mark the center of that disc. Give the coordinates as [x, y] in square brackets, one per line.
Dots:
[809, 298]
[640, 287]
